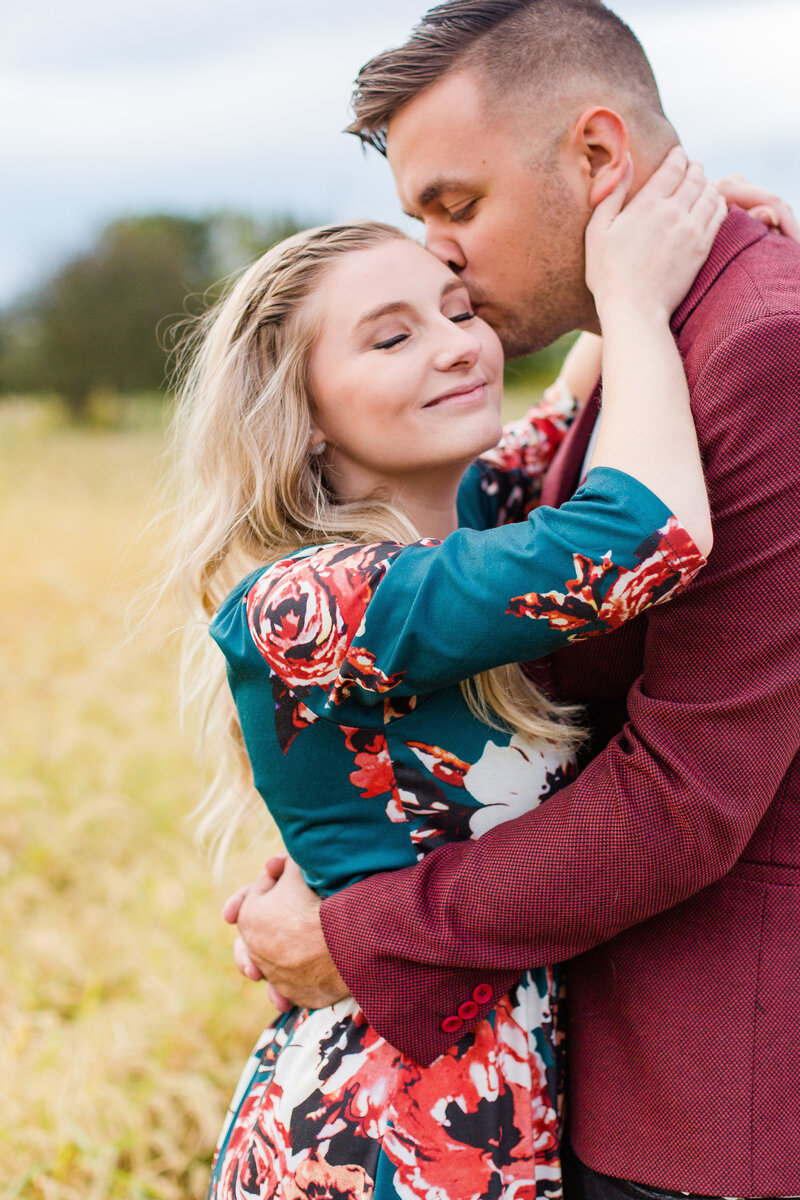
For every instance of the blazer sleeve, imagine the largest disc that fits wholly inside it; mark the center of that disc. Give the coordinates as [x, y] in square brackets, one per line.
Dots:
[669, 806]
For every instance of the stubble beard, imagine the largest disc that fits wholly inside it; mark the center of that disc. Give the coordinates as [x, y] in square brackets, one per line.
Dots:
[545, 316]
[559, 300]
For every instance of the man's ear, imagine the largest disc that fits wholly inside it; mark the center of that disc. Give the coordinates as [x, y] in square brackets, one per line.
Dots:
[599, 145]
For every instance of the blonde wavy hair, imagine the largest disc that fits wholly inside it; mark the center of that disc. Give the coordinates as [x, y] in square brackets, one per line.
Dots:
[249, 492]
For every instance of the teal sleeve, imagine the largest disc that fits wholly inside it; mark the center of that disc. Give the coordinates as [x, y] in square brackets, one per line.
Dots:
[483, 598]
[349, 627]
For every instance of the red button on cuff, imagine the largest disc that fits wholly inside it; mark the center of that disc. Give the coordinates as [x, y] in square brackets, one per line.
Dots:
[452, 1024]
[482, 994]
[468, 1010]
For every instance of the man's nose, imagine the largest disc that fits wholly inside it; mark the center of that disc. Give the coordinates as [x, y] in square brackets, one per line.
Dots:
[446, 249]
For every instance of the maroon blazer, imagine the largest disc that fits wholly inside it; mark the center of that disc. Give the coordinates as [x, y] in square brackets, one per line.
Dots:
[671, 867]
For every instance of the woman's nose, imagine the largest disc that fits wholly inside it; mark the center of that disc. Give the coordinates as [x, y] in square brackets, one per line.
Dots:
[460, 348]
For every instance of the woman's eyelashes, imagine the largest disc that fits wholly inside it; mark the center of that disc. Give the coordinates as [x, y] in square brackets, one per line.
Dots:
[398, 338]
[387, 343]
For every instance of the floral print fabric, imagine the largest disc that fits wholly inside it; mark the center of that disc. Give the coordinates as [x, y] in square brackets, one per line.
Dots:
[331, 1109]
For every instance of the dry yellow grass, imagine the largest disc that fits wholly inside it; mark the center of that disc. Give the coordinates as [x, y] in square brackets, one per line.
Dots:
[123, 1024]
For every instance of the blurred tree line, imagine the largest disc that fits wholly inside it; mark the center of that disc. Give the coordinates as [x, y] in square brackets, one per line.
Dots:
[105, 321]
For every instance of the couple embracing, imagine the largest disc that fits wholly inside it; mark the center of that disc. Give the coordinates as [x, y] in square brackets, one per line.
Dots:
[430, 624]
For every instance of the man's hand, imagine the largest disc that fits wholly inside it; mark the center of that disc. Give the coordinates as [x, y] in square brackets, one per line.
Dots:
[280, 938]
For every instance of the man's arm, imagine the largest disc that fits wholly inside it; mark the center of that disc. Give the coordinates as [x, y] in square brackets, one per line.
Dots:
[672, 802]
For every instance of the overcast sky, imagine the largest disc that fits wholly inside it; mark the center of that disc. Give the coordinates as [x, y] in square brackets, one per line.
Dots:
[189, 105]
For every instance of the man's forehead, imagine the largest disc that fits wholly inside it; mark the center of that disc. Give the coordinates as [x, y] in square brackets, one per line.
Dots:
[429, 166]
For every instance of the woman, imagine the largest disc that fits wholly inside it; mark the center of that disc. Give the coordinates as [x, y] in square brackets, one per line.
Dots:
[329, 425]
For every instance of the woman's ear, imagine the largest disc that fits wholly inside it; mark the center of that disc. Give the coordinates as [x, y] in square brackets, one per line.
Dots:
[316, 441]
[600, 144]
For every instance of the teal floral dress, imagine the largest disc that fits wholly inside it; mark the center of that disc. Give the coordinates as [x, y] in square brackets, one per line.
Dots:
[345, 663]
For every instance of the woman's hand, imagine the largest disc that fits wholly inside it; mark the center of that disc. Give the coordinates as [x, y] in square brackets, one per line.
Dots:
[647, 254]
[761, 205]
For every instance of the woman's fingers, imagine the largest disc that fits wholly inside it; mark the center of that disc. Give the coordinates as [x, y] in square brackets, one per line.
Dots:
[709, 209]
[666, 180]
[611, 206]
[763, 205]
[692, 186]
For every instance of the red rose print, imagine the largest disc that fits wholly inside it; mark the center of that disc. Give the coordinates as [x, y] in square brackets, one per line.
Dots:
[305, 610]
[530, 443]
[443, 765]
[667, 560]
[315, 1179]
[374, 772]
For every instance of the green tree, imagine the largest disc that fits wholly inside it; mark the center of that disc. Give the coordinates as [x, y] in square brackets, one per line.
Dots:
[101, 322]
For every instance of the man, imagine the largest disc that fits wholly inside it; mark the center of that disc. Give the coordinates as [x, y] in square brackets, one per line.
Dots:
[671, 867]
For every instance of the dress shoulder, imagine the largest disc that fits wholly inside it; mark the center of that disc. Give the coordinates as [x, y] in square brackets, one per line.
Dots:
[300, 615]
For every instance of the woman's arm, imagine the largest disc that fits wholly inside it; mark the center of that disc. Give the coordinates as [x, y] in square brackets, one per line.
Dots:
[352, 626]
[640, 262]
[580, 373]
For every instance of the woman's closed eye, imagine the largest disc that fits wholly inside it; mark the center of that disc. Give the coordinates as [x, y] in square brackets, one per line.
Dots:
[387, 343]
[464, 316]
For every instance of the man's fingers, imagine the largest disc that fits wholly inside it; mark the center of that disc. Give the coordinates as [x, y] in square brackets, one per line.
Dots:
[275, 866]
[230, 909]
[244, 962]
[281, 1003]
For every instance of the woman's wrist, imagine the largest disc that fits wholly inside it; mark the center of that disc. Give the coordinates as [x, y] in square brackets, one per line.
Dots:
[626, 312]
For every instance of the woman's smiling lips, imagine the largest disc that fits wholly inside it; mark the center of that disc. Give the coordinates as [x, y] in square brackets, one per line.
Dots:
[469, 392]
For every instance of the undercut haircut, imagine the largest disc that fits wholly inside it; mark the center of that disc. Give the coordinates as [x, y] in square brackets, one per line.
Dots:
[515, 47]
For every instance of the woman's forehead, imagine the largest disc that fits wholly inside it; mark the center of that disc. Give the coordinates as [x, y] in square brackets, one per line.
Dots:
[398, 271]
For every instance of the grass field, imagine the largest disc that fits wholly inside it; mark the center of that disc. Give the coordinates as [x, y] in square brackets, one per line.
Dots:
[123, 1023]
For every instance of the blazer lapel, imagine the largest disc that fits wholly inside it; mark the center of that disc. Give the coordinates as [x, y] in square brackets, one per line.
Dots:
[562, 475]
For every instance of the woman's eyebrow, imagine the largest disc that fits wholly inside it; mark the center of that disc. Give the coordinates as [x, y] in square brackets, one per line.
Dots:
[383, 310]
[394, 306]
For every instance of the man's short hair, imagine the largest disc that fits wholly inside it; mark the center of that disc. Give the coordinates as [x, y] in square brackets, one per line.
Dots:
[514, 46]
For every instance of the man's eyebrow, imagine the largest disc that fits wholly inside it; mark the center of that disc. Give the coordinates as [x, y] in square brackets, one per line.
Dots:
[437, 188]
[394, 306]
